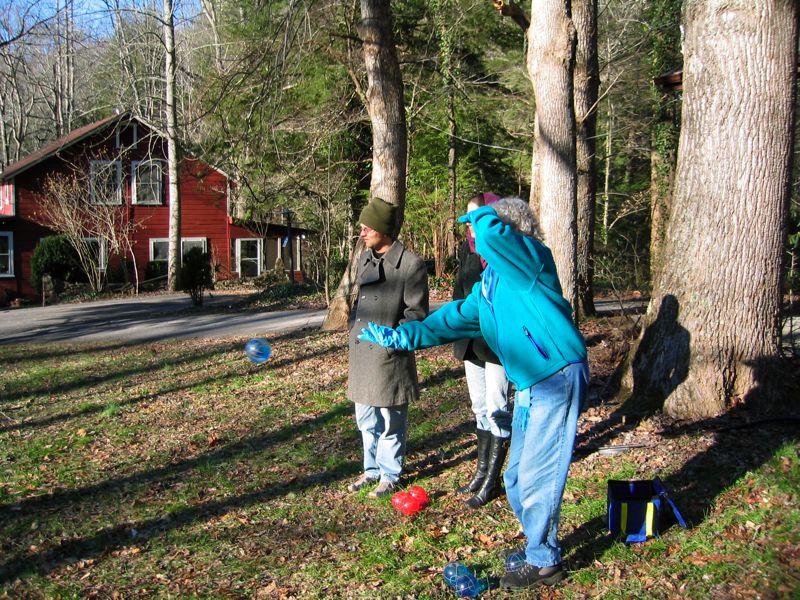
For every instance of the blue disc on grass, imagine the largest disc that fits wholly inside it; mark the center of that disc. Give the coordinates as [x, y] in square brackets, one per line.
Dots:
[468, 586]
[258, 350]
[453, 571]
[514, 561]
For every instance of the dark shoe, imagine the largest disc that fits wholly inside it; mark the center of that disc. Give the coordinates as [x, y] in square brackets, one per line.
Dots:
[361, 482]
[384, 488]
[483, 459]
[530, 575]
[491, 487]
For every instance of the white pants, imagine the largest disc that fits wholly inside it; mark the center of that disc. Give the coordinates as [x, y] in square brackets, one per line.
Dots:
[488, 391]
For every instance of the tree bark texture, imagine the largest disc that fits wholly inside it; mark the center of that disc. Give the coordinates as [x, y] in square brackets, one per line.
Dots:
[452, 172]
[385, 104]
[171, 117]
[551, 60]
[662, 178]
[386, 109]
[586, 81]
[711, 336]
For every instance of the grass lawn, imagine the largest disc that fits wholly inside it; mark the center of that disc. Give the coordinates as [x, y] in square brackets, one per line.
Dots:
[182, 470]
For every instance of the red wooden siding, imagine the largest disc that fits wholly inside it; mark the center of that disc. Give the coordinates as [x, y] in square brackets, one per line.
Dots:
[204, 205]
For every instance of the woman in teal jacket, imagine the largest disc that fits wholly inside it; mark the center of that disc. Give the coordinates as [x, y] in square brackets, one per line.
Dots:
[519, 310]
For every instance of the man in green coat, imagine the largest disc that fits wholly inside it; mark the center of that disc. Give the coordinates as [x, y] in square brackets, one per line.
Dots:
[393, 289]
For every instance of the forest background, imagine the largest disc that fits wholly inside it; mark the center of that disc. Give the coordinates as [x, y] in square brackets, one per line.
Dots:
[277, 94]
[273, 94]
[184, 470]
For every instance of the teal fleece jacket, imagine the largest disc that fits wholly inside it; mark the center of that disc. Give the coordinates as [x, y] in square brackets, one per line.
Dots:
[517, 307]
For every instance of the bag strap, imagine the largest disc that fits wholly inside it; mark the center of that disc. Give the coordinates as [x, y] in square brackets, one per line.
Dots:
[658, 488]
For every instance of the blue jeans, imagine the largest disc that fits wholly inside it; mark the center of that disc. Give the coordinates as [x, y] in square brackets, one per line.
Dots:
[383, 434]
[539, 459]
[488, 391]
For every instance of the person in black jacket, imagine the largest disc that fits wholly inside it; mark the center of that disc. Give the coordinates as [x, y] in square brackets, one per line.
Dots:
[486, 380]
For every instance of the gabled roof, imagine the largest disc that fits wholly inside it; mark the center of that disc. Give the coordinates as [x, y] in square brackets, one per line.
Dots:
[63, 143]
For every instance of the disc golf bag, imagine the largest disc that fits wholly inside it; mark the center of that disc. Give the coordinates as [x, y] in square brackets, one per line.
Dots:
[636, 509]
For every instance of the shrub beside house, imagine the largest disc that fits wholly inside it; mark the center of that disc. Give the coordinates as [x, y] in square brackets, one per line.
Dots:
[118, 166]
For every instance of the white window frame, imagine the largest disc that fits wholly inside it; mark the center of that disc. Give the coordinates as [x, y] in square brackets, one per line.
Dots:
[183, 240]
[102, 245]
[93, 166]
[10, 236]
[259, 258]
[135, 135]
[135, 180]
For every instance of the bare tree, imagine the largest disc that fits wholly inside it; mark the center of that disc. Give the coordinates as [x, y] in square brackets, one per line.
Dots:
[21, 17]
[711, 336]
[587, 79]
[171, 120]
[443, 14]
[551, 61]
[385, 105]
[91, 215]
[554, 181]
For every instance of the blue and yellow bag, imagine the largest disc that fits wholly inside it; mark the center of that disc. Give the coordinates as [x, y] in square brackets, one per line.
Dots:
[635, 509]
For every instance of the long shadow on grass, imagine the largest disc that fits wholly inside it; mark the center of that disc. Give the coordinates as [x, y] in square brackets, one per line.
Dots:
[13, 511]
[194, 357]
[157, 363]
[121, 535]
[432, 465]
[118, 491]
[746, 437]
[44, 561]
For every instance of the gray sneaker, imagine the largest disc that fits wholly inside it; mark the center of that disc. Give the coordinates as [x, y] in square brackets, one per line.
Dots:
[361, 482]
[384, 488]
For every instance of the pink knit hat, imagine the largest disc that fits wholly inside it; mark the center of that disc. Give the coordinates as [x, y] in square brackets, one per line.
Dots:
[486, 199]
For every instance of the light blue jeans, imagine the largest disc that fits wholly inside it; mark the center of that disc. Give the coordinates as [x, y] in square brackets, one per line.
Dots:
[488, 391]
[383, 434]
[539, 459]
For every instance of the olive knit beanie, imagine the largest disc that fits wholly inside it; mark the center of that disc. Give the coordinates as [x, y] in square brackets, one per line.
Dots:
[380, 216]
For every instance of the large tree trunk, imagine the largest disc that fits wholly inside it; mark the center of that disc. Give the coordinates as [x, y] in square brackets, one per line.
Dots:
[551, 60]
[711, 333]
[664, 53]
[587, 82]
[662, 177]
[174, 258]
[452, 171]
[386, 108]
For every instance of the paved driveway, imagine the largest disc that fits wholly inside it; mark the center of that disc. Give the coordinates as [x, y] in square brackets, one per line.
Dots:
[146, 319]
[172, 316]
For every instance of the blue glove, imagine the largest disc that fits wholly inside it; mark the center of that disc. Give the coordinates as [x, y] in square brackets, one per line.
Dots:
[385, 336]
[474, 214]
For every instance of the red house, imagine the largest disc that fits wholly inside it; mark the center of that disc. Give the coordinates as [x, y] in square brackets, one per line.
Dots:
[122, 162]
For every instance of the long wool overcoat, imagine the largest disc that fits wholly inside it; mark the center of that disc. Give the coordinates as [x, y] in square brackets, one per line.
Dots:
[393, 289]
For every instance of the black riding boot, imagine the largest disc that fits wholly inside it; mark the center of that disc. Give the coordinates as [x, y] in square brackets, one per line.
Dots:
[491, 487]
[483, 460]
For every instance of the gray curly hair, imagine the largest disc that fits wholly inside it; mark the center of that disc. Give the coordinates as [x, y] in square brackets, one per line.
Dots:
[516, 213]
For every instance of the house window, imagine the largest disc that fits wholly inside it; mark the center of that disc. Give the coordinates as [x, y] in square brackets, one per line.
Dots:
[99, 251]
[248, 257]
[7, 198]
[147, 183]
[6, 254]
[127, 136]
[159, 247]
[105, 182]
